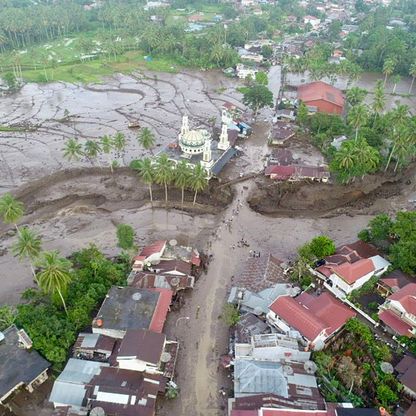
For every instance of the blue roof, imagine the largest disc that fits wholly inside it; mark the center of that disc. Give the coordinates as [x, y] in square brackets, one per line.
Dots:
[223, 160]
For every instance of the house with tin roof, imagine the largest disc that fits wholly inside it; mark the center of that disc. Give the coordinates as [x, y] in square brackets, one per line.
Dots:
[127, 308]
[398, 312]
[147, 351]
[95, 347]
[20, 366]
[314, 319]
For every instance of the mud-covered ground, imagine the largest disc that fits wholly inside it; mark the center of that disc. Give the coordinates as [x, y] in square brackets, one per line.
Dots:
[73, 204]
[52, 113]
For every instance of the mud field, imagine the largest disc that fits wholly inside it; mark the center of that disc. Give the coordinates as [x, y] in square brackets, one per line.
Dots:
[48, 114]
[73, 204]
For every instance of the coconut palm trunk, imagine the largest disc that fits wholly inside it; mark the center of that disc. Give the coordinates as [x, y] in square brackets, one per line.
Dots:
[150, 193]
[166, 193]
[390, 156]
[63, 301]
[411, 85]
[183, 194]
[195, 195]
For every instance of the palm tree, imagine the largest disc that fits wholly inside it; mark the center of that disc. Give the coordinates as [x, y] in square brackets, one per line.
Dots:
[379, 102]
[183, 174]
[399, 115]
[412, 73]
[91, 149]
[119, 141]
[405, 149]
[106, 147]
[146, 171]
[55, 274]
[199, 180]
[11, 209]
[398, 133]
[164, 172]
[345, 156]
[396, 79]
[358, 117]
[28, 246]
[73, 150]
[356, 95]
[388, 68]
[146, 139]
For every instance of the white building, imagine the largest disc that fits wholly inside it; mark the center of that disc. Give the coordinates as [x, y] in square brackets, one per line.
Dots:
[312, 20]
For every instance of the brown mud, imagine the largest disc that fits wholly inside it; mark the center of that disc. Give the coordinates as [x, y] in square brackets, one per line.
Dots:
[312, 199]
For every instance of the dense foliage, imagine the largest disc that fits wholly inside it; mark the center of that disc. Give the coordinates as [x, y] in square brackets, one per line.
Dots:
[51, 331]
[397, 236]
[373, 140]
[349, 369]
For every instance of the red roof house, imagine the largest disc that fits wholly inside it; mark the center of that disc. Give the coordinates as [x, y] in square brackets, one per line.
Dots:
[398, 312]
[316, 318]
[325, 97]
[351, 266]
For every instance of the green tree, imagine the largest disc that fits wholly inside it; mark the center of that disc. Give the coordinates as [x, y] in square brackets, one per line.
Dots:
[146, 139]
[106, 145]
[356, 95]
[379, 101]
[230, 315]
[404, 228]
[257, 97]
[183, 174]
[119, 142]
[10, 79]
[199, 180]
[357, 117]
[386, 396]
[73, 150]
[164, 173]
[11, 210]
[7, 317]
[91, 149]
[267, 51]
[261, 78]
[388, 68]
[380, 227]
[28, 246]
[403, 256]
[55, 275]
[125, 236]
[146, 171]
[412, 73]
[322, 246]
[302, 114]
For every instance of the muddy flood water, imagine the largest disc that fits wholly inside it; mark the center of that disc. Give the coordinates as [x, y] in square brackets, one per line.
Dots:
[71, 207]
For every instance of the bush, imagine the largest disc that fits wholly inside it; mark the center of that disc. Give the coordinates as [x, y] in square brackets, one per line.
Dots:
[230, 314]
[51, 331]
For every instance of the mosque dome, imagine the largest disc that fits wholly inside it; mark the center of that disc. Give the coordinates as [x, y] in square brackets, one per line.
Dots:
[193, 141]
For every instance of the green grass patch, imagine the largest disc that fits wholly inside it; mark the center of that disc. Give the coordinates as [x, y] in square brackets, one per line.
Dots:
[10, 128]
[95, 70]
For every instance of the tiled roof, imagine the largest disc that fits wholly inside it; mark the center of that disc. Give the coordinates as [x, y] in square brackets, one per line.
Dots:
[396, 279]
[153, 248]
[407, 370]
[321, 91]
[323, 312]
[394, 322]
[406, 296]
[259, 273]
[162, 309]
[351, 272]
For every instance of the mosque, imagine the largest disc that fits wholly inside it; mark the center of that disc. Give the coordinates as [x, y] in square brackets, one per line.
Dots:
[198, 146]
